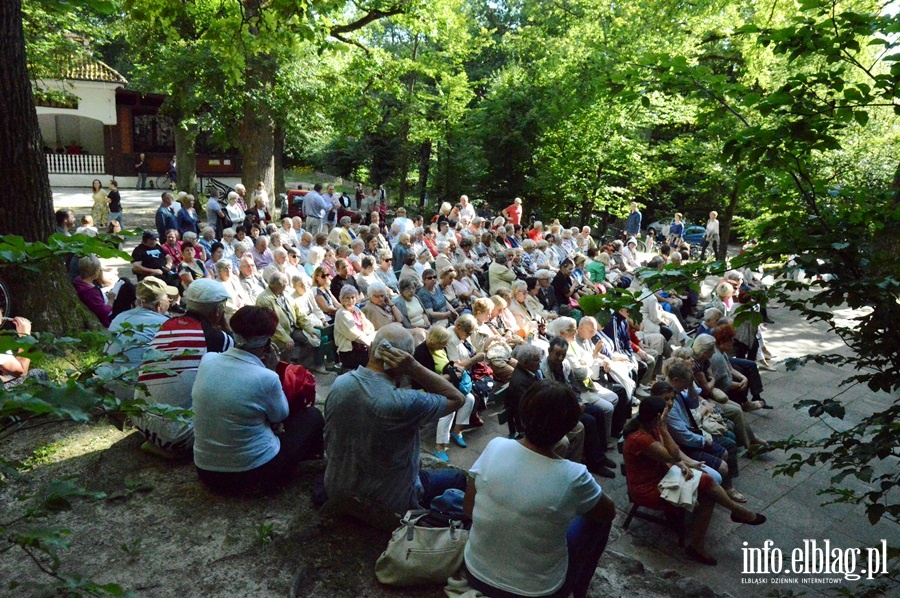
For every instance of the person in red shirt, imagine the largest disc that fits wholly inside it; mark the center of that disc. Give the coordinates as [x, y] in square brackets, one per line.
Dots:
[172, 247]
[537, 232]
[430, 242]
[513, 213]
[650, 452]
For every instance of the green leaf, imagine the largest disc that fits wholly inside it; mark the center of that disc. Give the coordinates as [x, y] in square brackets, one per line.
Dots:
[874, 513]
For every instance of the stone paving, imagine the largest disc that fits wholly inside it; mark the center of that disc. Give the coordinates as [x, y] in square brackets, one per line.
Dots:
[792, 505]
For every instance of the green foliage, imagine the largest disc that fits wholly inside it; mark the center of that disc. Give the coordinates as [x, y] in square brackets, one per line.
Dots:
[789, 133]
[80, 389]
[265, 533]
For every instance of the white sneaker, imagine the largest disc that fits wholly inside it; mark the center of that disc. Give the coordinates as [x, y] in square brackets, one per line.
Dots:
[641, 393]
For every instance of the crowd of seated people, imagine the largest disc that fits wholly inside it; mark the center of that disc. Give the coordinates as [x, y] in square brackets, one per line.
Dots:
[465, 309]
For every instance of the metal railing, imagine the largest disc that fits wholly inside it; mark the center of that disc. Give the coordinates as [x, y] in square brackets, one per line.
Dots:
[75, 164]
[211, 182]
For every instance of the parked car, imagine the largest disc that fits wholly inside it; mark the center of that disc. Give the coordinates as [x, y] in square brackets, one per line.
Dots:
[660, 228]
[694, 234]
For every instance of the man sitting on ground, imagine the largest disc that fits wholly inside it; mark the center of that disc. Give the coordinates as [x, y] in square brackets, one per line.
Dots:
[169, 379]
[372, 433]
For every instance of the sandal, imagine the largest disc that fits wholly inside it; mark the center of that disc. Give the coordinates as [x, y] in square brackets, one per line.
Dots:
[736, 496]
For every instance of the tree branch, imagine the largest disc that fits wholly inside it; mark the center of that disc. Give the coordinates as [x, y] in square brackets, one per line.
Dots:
[351, 42]
[369, 17]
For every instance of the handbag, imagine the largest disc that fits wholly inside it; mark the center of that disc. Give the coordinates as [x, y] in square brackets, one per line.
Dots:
[298, 383]
[416, 554]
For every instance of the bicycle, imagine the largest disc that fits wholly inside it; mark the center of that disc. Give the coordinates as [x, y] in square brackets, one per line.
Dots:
[165, 181]
[6, 303]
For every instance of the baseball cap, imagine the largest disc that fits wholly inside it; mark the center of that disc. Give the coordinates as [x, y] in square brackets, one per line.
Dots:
[150, 234]
[206, 290]
[154, 289]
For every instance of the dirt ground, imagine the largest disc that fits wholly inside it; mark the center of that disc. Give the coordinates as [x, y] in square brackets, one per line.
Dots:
[159, 532]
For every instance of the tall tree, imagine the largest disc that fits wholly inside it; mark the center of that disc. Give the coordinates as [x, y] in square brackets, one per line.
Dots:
[26, 208]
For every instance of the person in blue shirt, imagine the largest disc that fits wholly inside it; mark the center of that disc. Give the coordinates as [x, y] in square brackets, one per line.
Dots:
[633, 226]
[246, 437]
[676, 231]
[165, 215]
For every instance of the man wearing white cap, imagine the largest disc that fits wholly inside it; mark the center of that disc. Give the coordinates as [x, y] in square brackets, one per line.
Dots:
[169, 379]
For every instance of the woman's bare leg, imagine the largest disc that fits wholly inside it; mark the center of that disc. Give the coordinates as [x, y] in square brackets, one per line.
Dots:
[700, 523]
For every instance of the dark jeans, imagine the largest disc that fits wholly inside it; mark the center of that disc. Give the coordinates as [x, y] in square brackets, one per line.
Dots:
[586, 541]
[749, 369]
[350, 360]
[514, 419]
[301, 440]
[622, 410]
[715, 246]
[742, 351]
[594, 434]
[436, 481]
[711, 455]
[727, 441]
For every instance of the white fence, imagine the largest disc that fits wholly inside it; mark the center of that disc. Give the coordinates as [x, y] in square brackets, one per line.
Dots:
[75, 164]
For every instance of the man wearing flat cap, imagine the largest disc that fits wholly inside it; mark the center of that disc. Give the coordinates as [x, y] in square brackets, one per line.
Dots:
[169, 378]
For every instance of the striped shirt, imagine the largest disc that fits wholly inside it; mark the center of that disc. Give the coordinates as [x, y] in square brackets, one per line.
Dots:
[169, 369]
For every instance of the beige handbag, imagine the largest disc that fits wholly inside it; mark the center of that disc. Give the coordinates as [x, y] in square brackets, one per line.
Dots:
[421, 555]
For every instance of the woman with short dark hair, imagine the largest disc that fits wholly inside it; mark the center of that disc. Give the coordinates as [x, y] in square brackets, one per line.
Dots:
[650, 452]
[246, 437]
[513, 552]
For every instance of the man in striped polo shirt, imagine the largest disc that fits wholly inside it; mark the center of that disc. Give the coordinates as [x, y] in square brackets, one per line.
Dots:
[170, 364]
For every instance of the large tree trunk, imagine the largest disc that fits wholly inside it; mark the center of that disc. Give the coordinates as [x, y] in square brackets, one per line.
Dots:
[186, 154]
[257, 136]
[257, 128]
[424, 169]
[47, 298]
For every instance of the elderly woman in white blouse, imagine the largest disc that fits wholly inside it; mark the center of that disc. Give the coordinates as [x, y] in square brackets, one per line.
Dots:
[711, 236]
[353, 332]
[234, 210]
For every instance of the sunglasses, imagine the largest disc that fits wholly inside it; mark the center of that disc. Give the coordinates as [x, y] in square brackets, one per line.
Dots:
[388, 260]
[430, 278]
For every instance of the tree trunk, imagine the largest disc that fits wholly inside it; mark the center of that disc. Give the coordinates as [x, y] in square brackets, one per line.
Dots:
[726, 220]
[257, 129]
[407, 126]
[404, 165]
[186, 154]
[257, 138]
[47, 298]
[424, 169]
[280, 187]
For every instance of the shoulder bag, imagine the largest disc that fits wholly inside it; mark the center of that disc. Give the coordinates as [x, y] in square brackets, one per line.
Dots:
[417, 554]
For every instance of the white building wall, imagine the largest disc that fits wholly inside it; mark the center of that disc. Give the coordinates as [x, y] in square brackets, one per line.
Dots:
[96, 100]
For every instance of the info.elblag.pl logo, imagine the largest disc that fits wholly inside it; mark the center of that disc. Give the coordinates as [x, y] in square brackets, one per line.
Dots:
[831, 564]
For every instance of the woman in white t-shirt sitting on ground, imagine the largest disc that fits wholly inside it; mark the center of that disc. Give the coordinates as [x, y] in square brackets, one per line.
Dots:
[539, 522]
